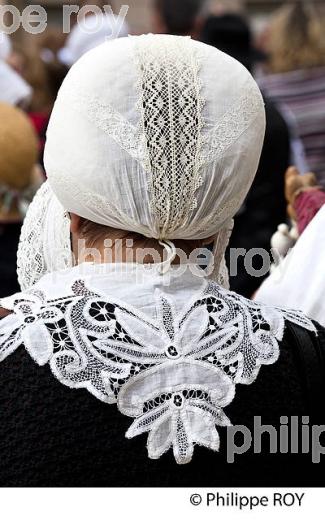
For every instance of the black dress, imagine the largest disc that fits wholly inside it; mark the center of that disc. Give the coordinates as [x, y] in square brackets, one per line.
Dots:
[265, 205]
[51, 435]
[9, 239]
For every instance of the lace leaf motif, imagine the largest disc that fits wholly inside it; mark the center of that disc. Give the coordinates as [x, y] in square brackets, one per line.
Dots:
[106, 118]
[173, 375]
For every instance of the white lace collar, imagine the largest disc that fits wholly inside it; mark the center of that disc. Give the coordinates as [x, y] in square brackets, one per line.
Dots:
[171, 362]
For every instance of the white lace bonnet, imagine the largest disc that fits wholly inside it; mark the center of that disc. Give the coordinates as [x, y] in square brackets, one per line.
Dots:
[156, 134]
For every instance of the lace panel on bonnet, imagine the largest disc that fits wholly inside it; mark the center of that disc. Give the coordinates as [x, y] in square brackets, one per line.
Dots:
[171, 141]
[173, 375]
[170, 106]
[44, 244]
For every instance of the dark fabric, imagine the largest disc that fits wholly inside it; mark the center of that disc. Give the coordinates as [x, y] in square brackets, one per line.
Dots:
[9, 239]
[230, 33]
[265, 206]
[51, 435]
[40, 122]
[311, 361]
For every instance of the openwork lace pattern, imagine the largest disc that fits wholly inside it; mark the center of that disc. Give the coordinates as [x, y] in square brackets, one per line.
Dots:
[171, 105]
[173, 375]
[45, 239]
[171, 137]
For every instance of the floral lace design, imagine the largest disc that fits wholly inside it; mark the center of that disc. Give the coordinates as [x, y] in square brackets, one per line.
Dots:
[172, 375]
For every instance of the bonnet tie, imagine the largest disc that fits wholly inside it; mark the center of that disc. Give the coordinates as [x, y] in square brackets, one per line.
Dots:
[171, 255]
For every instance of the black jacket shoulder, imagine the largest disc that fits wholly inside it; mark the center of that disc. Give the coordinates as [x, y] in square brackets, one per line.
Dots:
[51, 435]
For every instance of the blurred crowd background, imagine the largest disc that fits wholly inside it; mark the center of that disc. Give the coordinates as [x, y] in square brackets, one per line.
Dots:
[281, 43]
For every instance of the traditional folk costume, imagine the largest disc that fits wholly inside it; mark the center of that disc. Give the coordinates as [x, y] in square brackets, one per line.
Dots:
[158, 135]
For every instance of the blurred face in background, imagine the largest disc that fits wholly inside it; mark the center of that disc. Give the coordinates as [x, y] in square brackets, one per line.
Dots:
[184, 18]
[295, 38]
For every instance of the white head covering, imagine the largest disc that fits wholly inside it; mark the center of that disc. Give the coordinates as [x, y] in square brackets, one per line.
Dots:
[5, 45]
[298, 282]
[159, 135]
[89, 33]
[13, 88]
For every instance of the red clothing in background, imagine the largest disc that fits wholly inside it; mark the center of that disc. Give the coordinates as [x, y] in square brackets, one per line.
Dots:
[307, 204]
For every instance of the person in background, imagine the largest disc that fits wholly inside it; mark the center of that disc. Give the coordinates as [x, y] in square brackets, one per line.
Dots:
[295, 78]
[265, 204]
[25, 59]
[218, 7]
[18, 156]
[92, 31]
[179, 18]
[13, 88]
[299, 281]
[44, 73]
[49, 44]
[305, 198]
[5, 45]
